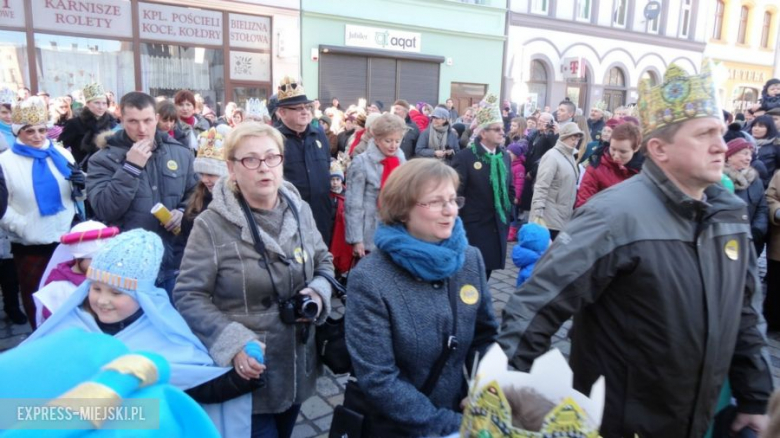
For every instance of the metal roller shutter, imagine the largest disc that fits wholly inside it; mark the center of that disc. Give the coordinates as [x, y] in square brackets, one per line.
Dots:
[382, 81]
[343, 76]
[418, 81]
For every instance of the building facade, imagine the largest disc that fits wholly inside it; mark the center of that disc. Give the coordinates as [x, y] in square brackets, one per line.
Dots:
[224, 50]
[418, 50]
[742, 40]
[598, 50]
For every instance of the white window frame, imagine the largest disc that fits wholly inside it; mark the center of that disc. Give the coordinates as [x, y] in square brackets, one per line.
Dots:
[540, 6]
[685, 25]
[588, 9]
[616, 7]
[655, 22]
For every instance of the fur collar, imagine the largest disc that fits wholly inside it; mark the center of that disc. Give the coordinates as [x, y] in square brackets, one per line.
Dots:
[225, 204]
[742, 180]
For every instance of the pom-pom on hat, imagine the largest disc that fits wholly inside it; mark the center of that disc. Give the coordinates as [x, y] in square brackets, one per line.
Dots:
[94, 91]
[290, 92]
[488, 111]
[129, 262]
[211, 158]
[87, 238]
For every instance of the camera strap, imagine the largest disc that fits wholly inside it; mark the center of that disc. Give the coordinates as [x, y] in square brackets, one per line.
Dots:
[258, 243]
[450, 343]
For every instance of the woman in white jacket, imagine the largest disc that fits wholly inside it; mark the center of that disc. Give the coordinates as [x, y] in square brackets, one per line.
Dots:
[38, 176]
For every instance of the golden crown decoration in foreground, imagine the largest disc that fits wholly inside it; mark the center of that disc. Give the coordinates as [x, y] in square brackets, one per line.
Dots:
[94, 91]
[30, 112]
[289, 87]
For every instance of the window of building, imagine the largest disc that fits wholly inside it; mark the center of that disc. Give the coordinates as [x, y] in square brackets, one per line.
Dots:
[744, 13]
[619, 13]
[654, 25]
[538, 83]
[168, 68]
[540, 6]
[615, 88]
[765, 29]
[69, 63]
[685, 19]
[14, 70]
[650, 76]
[583, 10]
[720, 7]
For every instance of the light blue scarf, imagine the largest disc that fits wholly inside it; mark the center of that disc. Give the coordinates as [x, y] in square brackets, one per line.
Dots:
[429, 261]
[45, 185]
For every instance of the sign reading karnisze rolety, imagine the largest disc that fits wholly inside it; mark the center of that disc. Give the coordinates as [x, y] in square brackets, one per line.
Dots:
[180, 25]
[12, 13]
[93, 17]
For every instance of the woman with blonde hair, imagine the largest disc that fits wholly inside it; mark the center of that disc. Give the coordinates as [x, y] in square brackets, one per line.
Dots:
[253, 270]
[433, 295]
[367, 175]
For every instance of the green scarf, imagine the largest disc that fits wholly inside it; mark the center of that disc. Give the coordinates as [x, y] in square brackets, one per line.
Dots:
[498, 175]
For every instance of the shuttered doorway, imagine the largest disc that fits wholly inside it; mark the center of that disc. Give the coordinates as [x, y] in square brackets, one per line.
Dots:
[350, 77]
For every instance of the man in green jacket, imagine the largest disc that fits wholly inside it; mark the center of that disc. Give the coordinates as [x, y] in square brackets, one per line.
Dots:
[660, 275]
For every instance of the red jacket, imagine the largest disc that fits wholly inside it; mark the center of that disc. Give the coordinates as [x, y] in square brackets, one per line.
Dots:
[420, 119]
[341, 250]
[518, 176]
[605, 175]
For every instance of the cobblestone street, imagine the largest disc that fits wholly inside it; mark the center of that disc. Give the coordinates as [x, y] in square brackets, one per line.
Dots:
[316, 413]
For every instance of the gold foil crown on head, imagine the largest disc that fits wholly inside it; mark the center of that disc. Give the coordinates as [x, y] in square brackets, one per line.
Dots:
[94, 91]
[489, 111]
[210, 145]
[29, 112]
[600, 105]
[289, 88]
[679, 98]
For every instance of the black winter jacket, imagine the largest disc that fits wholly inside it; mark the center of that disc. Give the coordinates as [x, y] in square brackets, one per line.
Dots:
[80, 134]
[665, 295]
[307, 167]
[122, 195]
[409, 143]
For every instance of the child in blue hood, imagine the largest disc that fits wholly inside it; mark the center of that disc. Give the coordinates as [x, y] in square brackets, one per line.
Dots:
[533, 242]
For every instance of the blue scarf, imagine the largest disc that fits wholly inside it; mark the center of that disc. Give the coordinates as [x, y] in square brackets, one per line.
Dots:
[429, 261]
[45, 185]
[7, 133]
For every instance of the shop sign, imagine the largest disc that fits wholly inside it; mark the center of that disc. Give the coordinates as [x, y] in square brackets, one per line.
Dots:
[747, 75]
[289, 4]
[572, 68]
[93, 17]
[248, 66]
[180, 25]
[385, 39]
[12, 13]
[250, 32]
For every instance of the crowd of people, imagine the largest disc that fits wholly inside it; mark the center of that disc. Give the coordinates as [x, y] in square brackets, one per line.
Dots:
[215, 242]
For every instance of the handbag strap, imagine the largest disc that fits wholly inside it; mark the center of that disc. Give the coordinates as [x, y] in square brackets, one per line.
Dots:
[450, 343]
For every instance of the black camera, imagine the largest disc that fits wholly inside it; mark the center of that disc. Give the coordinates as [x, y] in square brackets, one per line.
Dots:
[299, 306]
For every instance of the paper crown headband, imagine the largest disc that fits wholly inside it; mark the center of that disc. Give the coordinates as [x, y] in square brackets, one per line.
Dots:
[256, 108]
[210, 145]
[679, 98]
[573, 414]
[7, 96]
[94, 91]
[290, 92]
[489, 111]
[31, 111]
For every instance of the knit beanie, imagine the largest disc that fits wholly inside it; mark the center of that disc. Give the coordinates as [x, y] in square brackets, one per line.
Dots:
[129, 262]
[734, 131]
[441, 113]
[736, 145]
[611, 123]
[516, 148]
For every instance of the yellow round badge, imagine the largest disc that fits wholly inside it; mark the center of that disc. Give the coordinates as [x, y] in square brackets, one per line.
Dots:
[300, 255]
[173, 165]
[469, 294]
[732, 249]
[478, 165]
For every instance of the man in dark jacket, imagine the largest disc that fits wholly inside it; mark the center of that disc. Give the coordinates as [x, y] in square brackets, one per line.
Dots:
[306, 153]
[409, 142]
[664, 289]
[542, 140]
[135, 169]
[349, 129]
[596, 122]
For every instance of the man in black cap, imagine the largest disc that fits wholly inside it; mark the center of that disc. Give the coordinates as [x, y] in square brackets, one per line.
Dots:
[306, 152]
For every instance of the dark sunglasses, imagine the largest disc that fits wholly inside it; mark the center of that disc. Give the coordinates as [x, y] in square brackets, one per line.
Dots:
[31, 131]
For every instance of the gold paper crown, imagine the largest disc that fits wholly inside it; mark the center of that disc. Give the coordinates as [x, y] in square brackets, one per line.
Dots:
[489, 111]
[491, 415]
[679, 98]
[94, 91]
[289, 88]
[30, 112]
[210, 145]
[601, 106]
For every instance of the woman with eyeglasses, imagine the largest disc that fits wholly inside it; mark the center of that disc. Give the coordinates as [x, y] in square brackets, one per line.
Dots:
[38, 175]
[236, 286]
[366, 176]
[402, 299]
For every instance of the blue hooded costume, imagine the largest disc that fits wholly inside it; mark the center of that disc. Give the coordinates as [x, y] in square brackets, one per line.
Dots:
[533, 242]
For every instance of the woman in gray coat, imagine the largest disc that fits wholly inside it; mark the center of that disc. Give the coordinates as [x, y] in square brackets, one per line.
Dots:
[439, 140]
[397, 332]
[229, 293]
[365, 178]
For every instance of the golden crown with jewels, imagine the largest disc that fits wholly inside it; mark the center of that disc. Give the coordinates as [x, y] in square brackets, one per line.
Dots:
[489, 111]
[210, 145]
[290, 92]
[679, 98]
[30, 112]
[94, 91]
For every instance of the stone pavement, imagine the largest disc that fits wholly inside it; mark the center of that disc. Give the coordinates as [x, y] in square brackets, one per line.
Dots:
[316, 413]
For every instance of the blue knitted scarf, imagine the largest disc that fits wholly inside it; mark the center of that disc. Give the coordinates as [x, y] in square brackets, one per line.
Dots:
[45, 185]
[429, 261]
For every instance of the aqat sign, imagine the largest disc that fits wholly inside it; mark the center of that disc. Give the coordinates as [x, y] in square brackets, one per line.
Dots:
[384, 39]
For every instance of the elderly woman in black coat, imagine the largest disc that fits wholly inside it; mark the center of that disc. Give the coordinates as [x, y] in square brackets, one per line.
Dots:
[748, 186]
